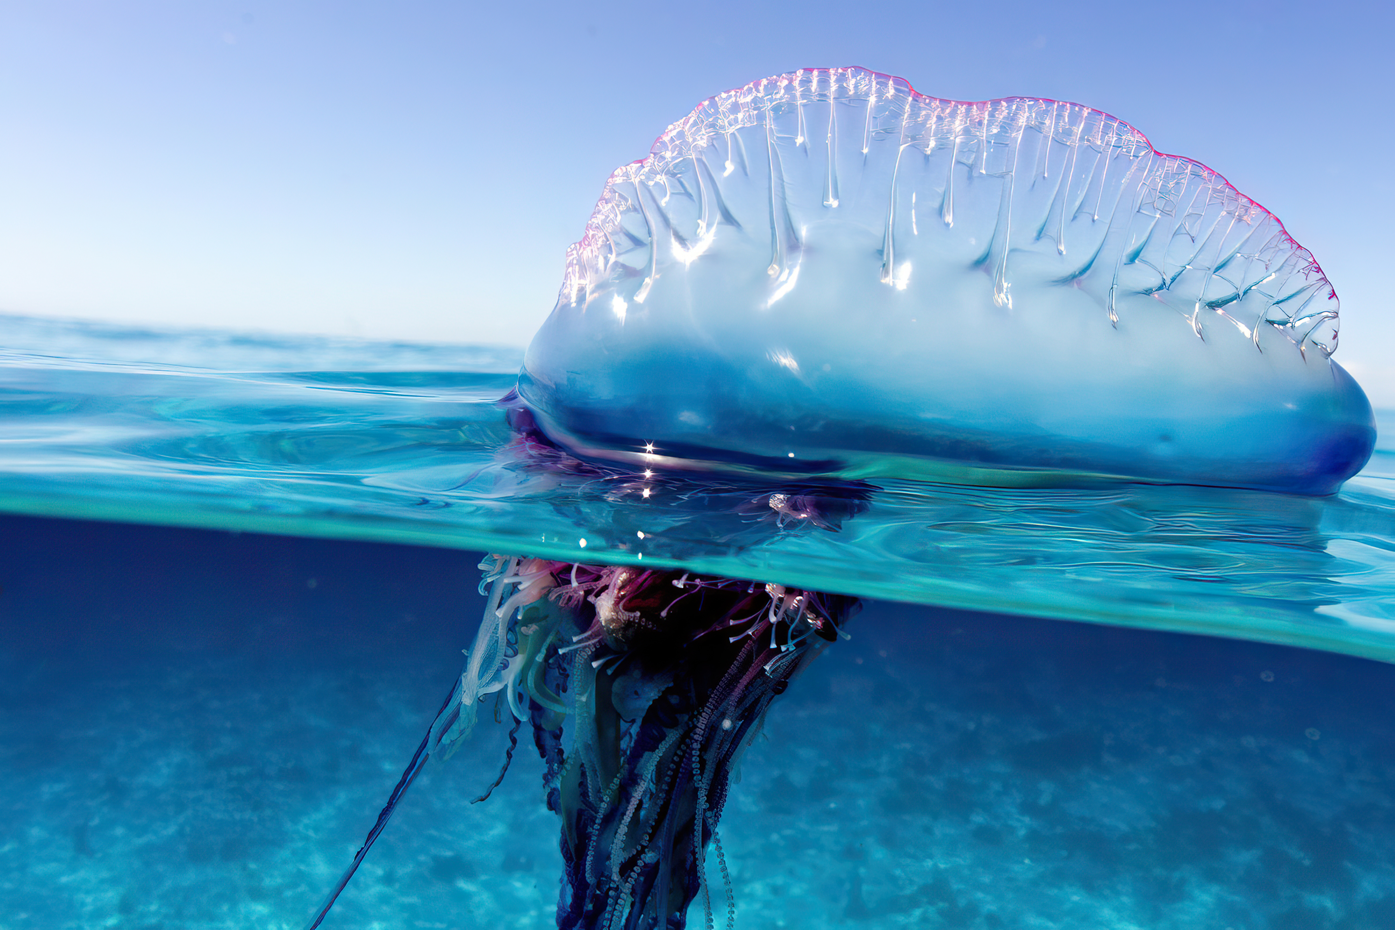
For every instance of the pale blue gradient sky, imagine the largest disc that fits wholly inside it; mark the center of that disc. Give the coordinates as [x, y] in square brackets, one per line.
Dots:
[416, 170]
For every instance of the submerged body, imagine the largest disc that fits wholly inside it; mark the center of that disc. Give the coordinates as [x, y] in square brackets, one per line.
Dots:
[827, 272]
[642, 689]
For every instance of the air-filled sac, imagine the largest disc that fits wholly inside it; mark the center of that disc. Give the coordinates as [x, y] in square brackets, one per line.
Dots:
[828, 272]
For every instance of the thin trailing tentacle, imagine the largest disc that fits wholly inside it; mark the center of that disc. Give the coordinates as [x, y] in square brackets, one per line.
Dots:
[409, 775]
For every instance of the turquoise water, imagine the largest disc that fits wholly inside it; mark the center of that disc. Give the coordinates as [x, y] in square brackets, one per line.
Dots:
[404, 443]
[201, 722]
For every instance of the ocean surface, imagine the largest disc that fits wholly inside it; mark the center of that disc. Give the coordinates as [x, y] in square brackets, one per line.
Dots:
[236, 576]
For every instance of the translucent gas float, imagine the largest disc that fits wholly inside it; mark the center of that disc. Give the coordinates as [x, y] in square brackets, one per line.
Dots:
[828, 272]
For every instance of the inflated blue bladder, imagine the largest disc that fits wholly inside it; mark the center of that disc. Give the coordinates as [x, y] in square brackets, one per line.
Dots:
[828, 272]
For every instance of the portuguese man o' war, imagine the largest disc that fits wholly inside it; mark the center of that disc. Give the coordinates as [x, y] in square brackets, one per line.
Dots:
[828, 272]
[822, 277]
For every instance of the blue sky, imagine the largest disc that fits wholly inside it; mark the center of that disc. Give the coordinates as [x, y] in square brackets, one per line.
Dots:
[416, 170]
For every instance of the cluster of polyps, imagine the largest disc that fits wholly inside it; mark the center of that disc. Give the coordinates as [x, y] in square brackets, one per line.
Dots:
[641, 701]
[791, 612]
[626, 600]
[642, 688]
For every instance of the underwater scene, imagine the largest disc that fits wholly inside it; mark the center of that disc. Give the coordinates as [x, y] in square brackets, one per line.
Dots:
[914, 512]
[202, 720]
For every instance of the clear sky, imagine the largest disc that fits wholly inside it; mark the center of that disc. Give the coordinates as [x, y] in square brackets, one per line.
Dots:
[416, 170]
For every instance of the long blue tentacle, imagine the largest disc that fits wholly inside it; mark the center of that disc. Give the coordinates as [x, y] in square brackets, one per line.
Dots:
[413, 768]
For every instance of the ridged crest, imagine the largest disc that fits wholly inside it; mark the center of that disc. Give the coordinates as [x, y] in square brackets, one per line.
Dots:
[1055, 191]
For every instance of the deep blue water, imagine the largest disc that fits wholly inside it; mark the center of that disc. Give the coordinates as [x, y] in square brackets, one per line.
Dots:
[201, 721]
[200, 726]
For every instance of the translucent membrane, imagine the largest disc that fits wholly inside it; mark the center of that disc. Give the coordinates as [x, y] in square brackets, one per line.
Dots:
[826, 271]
